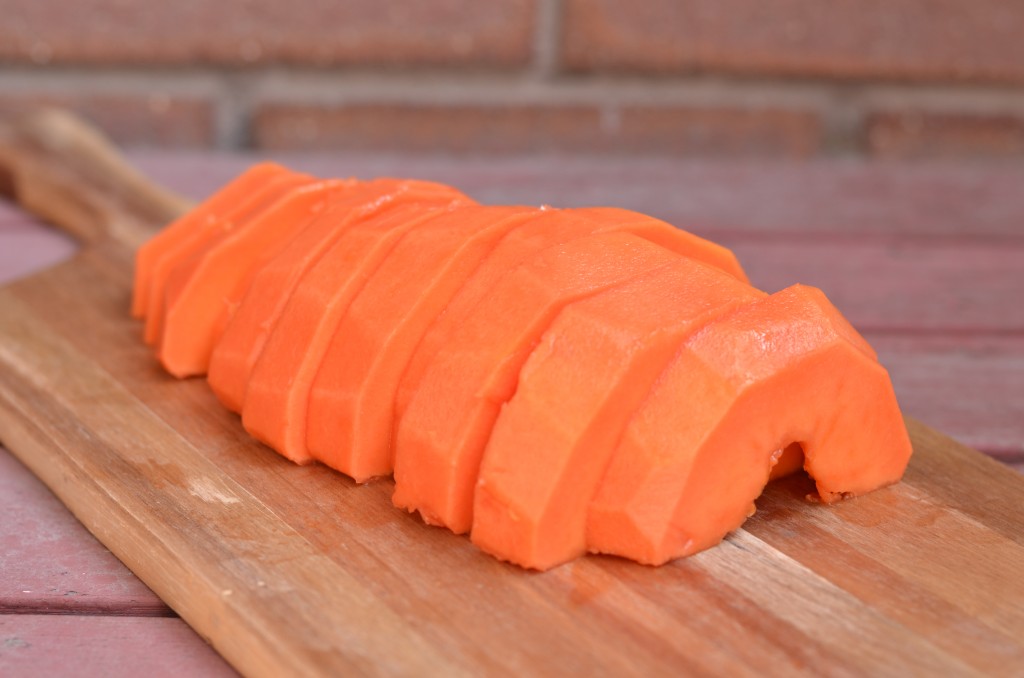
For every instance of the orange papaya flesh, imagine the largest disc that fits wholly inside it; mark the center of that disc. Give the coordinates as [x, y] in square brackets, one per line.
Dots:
[170, 259]
[557, 226]
[245, 334]
[202, 293]
[699, 450]
[353, 395]
[591, 370]
[277, 398]
[551, 228]
[209, 211]
[787, 461]
[442, 435]
[676, 239]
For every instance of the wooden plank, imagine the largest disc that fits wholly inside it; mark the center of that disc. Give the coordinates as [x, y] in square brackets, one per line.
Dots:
[50, 563]
[26, 247]
[820, 198]
[189, 501]
[940, 287]
[970, 387]
[930, 373]
[147, 489]
[10, 213]
[104, 647]
[969, 616]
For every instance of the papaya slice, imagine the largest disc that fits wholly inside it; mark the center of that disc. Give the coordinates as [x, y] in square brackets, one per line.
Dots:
[352, 399]
[244, 336]
[591, 370]
[202, 292]
[210, 211]
[699, 450]
[245, 211]
[277, 399]
[668, 236]
[442, 435]
[556, 227]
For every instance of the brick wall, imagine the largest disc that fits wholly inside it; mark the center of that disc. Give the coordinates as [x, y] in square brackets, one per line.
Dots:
[884, 78]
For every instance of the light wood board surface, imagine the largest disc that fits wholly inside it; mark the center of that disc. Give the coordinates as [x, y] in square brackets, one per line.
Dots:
[295, 571]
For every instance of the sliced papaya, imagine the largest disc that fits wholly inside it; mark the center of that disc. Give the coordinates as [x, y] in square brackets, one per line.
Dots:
[699, 450]
[277, 398]
[556, 227]
[245, 211]
[442, 436]
[210, 211]
[244, 336]
[668, 236]
[589, 373]
[201, 293]
[352, 401]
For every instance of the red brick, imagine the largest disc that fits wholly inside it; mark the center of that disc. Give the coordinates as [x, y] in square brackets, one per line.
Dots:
[424, 128]
[154, 120]
[892, 39]
[240, 32]
[918, 134]
[722, 131]
[531, 128]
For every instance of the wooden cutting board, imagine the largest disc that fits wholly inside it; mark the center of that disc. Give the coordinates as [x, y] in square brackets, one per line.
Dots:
[292, 570]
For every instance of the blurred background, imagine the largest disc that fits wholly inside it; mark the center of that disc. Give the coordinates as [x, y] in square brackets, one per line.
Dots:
[791, 78]
[872, 148]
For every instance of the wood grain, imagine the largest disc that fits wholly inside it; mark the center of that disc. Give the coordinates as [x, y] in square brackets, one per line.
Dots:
[297, 571]
[60, 168]
[972, 384]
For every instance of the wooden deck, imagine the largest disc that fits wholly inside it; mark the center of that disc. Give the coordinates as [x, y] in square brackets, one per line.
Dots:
[925, 260]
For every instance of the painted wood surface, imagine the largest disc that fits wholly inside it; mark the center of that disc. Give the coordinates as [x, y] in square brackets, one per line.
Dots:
[781, 593]
[51, 565]
[100, 647]
[848, 200]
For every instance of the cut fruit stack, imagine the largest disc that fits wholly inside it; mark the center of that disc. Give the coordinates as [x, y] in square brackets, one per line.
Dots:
[551, 381]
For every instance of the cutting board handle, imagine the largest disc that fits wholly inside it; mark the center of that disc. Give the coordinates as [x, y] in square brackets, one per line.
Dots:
[63, 170]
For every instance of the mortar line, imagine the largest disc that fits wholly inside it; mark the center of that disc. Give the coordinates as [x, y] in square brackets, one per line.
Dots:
[313, 82]
[547, 38]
